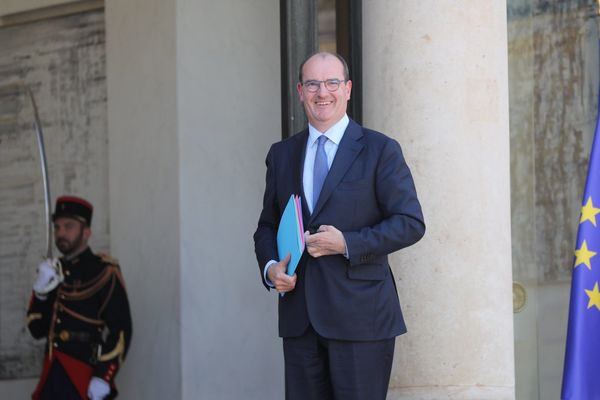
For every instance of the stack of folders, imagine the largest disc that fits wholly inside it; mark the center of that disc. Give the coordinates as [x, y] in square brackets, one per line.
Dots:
[290, 235]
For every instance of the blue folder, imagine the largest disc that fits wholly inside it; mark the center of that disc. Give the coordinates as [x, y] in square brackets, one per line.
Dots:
[290, 235]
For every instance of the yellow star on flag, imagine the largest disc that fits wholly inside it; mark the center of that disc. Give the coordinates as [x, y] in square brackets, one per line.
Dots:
[588, 212]
[583, 256]
[594, 296]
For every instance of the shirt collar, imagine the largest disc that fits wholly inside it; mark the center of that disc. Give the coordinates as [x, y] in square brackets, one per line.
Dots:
[334, 133]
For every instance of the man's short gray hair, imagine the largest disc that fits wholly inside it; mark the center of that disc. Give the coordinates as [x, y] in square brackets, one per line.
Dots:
[325, 54]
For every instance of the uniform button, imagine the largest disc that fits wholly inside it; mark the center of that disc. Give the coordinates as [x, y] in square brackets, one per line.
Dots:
[62, 296]
[68, 273]
[55, 344]
[58, 320]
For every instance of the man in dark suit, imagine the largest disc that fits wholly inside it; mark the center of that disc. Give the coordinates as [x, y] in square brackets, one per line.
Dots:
[340, 313]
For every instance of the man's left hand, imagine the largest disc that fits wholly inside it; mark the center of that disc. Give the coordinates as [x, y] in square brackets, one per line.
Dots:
[326, 242]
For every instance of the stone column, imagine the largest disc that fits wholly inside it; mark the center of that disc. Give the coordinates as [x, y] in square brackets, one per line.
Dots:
[435, 78]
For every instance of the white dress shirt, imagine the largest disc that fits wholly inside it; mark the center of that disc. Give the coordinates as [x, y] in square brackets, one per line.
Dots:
[334, 134]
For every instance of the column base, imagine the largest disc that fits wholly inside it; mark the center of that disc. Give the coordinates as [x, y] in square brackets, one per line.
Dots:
[452, 393]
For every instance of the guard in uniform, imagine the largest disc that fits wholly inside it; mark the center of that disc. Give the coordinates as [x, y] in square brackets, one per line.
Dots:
[80, 305]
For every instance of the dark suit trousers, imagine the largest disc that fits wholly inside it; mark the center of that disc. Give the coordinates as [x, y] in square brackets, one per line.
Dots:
[58, 386]
[317, 368]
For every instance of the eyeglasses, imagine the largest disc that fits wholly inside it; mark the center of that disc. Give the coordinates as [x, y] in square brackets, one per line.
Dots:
[330, 84]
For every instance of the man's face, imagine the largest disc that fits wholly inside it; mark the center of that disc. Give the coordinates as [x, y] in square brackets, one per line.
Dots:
[70, 235]
[324, 108]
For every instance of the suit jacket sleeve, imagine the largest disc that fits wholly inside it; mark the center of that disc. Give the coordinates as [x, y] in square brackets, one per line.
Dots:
[265, 237]
[402, 224]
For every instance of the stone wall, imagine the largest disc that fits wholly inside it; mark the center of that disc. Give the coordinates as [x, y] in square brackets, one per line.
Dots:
[63, 62]
[553, 70]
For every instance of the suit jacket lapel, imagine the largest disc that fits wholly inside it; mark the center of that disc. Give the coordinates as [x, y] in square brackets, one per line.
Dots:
[348, 150]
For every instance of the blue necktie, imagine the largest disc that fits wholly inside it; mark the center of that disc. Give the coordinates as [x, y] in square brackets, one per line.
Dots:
[320, 169]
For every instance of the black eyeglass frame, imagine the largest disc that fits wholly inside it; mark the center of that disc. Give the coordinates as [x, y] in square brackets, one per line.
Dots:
[316, 85]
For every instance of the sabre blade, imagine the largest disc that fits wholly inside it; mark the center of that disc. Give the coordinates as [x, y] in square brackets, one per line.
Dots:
[37, 125]
[42, 151]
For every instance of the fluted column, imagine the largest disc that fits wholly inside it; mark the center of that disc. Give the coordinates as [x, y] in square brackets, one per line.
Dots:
[435, 78]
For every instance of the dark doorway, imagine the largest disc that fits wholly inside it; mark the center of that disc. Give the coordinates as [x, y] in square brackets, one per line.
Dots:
[308, 26]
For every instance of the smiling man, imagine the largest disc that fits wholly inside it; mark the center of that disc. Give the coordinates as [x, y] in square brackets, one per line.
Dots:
[80, 306]
[340, 313]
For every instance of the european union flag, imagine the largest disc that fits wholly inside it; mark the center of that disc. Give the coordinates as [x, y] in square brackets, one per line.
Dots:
[581, 380]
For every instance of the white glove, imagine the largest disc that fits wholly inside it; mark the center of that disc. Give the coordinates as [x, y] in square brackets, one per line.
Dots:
[47, 278]
[98, 389]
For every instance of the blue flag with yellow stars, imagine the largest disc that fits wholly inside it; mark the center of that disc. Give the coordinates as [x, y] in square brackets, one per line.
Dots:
[581, 373]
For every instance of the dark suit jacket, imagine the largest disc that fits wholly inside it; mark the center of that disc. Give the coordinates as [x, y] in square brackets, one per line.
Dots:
[370, 196]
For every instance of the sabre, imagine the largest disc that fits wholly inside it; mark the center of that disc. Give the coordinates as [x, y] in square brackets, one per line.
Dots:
[44, 285]
[42, 151]
[37, 125]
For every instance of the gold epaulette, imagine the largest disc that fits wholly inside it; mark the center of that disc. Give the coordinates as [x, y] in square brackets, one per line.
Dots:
[108, 259]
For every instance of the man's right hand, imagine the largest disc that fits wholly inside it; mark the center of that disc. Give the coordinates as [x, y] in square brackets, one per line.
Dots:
[279, 278]
[98, 388]
[47, 278]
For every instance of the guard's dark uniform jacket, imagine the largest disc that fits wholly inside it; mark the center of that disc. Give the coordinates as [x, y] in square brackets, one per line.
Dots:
[86, 320]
